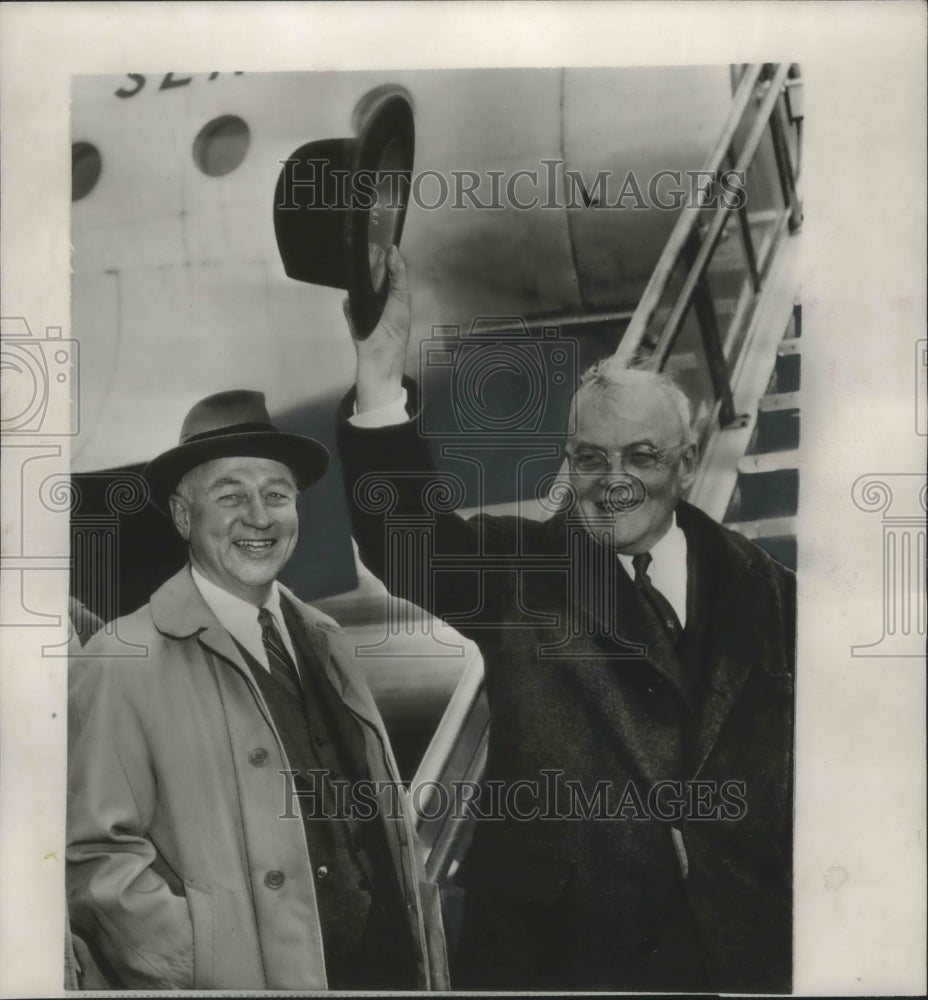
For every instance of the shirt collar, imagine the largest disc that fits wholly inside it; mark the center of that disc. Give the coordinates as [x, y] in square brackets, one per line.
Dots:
[669, 549]
[240, 618]
[668, 572]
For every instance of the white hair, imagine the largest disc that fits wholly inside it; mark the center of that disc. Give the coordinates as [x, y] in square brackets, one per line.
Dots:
[187, 487]
[609, 377]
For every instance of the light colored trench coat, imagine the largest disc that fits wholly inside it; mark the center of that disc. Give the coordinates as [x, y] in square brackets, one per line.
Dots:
[174, 824]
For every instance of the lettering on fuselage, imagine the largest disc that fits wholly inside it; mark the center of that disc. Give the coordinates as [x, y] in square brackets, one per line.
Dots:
[169, 81]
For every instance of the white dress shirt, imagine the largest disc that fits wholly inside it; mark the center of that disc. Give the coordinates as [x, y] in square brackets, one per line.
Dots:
[667, 570]
[240, 619]
[382, 416]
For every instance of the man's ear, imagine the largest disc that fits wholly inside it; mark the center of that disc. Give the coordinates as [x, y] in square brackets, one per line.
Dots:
[180, 514]
[688, 463]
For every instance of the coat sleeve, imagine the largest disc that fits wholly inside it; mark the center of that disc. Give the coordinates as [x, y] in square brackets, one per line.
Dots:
[407, 532]
[136, 924]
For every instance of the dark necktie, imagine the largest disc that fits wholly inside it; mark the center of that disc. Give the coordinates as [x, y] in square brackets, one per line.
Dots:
[662, 607]
[283, 669]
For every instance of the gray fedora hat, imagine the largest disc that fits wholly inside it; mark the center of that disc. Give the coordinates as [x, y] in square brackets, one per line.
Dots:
[228, 424]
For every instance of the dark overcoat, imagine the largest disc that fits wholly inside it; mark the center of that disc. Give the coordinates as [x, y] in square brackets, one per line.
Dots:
[640, 838]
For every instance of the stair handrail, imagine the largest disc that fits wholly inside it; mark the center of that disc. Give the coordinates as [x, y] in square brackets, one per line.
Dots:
[711, 238]
[685, 226]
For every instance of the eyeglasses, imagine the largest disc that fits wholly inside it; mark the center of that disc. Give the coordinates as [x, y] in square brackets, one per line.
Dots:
[589, 461]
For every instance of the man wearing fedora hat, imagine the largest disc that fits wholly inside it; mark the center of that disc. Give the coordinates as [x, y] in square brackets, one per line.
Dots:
[206, 845]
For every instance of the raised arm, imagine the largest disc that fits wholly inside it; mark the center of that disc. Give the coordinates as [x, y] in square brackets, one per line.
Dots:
[391, 483]
[382, 355]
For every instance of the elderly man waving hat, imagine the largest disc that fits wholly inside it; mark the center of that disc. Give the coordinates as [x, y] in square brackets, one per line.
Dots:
[206, 848]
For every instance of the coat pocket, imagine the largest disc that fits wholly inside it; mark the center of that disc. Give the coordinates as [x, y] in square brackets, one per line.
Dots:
[201, 902]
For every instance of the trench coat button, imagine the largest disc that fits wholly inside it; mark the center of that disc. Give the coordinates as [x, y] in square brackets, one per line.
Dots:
[274, 879]
[321, 739]
[258, 757]
[322, 872]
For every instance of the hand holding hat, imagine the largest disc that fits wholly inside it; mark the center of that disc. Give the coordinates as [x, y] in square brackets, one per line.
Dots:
[382, 354]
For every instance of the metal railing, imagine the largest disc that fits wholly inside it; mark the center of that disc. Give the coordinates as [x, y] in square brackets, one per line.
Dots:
[716, 246]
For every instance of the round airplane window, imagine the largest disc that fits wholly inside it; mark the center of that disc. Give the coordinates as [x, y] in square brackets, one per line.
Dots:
[86, 165]
[221, 145]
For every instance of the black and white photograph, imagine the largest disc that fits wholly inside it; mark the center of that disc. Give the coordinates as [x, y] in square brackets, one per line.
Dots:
[424, 512]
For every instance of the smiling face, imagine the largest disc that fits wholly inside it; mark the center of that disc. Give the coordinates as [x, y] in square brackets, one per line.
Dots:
[639, 421]
[239, 518]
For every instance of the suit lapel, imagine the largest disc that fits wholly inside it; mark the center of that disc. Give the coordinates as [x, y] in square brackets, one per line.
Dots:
[379, 763]
[312, 659]
[306, 627]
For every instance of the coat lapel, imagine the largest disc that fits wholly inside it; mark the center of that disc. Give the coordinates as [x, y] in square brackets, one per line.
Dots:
[730, 651]
[609, 647]
[605, 605]
[179, 611]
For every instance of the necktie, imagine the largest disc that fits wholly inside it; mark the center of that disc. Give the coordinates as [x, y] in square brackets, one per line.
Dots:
[663, 608]
[283, 669]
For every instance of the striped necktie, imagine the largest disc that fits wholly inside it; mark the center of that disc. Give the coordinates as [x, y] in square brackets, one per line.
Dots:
[662, 607]
[283, 669]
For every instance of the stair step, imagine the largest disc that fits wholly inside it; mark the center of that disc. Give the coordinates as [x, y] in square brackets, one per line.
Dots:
[787, 373]
[768, 462]
[792, 345]
[763, 489]
[776, 535]
[782, 549]
[777, 427]
[765, 527]
[778, 401]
